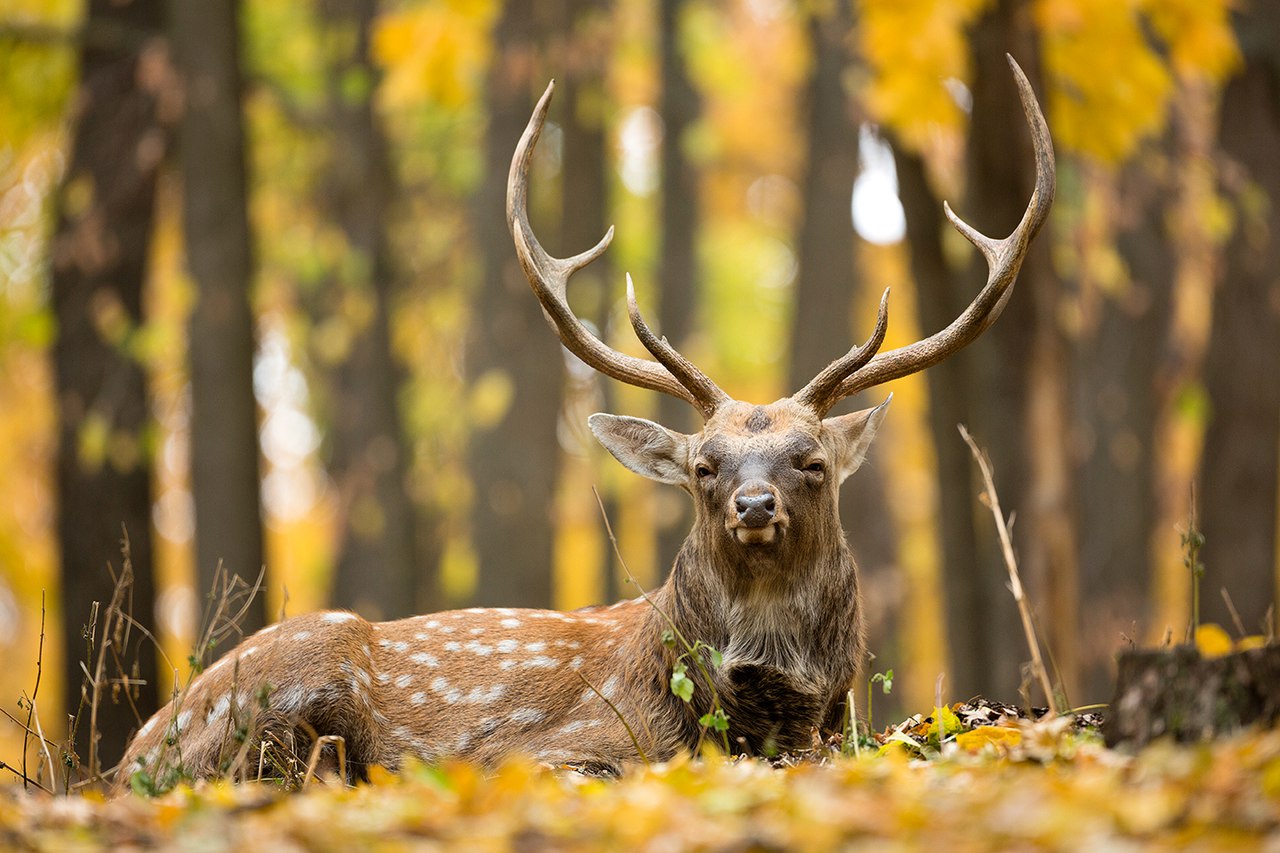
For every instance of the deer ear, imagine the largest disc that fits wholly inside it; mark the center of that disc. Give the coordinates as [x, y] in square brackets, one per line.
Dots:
[649, 449]
[853, 433]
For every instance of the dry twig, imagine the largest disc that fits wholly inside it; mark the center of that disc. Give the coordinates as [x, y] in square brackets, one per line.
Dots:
[1011, 562]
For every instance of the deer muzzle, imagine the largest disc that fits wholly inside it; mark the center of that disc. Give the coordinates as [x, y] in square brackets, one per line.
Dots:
[755, 515]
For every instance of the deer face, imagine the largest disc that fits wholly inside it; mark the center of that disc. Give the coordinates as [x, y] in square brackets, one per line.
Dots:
[762, 477]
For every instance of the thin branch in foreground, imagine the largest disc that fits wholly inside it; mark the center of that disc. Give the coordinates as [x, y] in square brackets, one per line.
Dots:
[1011, 562]
[612, 707]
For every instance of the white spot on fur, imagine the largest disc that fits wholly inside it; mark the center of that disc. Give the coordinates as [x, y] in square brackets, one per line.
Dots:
[403, 681]
[570, 728]
[384, 644]
[507, 664]
[510, 623]
[535, 647]
[338, 616]
[400, 646]
[384, 677]
[508, 646]
[479, 648]
[215, 712]
[476, 631]
[252, 650]
[576, 663]
[433, 623]
[289, 699]
[464, 740]
[147, 726]
[609, 687]
[483, 696]
[447, 629]
[527, 715]
[301, 635]
[540, 662]
[418, 698]
[425, 659]
[183, 719]
[453, 646]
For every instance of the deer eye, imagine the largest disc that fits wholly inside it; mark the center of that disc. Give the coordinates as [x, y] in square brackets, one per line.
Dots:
[704, 471]
[816, 467]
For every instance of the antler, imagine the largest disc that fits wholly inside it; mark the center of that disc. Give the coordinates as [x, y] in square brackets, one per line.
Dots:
[1004, 259]
[672, 374]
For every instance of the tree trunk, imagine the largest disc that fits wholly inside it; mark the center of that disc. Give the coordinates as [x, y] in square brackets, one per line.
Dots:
[1018, 369]
[584, 202]
[826, 284]
[100, 247]
[1116, 361]
[513, 358]
[679, 106]
[1238, 472]
[969, 607]
[377, 572]
[225, 476]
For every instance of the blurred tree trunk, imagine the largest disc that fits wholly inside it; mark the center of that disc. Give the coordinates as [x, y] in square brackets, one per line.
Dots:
[679, 106]
[100, 247]
[1122, 337]
[825, 290]
[514, 360]
[939, 300]
[1020, 371]
[584, 199]
[225, 479]
[1239, 465]
[377, 572]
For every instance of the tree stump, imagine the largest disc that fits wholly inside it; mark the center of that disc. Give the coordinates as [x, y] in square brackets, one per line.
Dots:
[1175, 691]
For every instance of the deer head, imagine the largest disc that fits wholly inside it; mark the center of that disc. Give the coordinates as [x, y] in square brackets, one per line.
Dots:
[764, 478]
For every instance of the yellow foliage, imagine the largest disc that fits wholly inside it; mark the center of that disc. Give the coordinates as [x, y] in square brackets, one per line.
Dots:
[434, 51]
[1212, 641]
[1109, 88]
[1199, 36]
[1001, 738]
[913, 47]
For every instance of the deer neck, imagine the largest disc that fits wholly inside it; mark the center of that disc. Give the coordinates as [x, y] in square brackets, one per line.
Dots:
[789, 611]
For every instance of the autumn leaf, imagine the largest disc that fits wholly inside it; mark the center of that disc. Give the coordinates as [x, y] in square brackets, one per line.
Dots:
[1212, 641]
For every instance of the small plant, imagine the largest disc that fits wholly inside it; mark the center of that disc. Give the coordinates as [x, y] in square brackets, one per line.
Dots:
[1192, 542]
[885, 680]
[682, 685]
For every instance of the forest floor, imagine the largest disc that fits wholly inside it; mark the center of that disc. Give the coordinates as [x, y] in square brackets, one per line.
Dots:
[967, 777]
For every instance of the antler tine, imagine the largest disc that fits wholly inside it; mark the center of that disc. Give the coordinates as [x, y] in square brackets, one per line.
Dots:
[1004, 259]
[549, 278]
[822, 392]
[707, 395]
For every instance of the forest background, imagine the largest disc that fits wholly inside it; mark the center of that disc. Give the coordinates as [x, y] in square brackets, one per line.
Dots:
[259, 307]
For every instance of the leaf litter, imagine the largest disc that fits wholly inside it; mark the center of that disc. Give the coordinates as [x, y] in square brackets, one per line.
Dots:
[970, 776]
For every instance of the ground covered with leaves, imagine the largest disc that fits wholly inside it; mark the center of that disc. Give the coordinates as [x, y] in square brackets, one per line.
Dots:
[1014, 785]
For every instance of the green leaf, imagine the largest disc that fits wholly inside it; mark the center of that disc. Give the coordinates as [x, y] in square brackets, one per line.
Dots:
[717, 720]
[681, 684]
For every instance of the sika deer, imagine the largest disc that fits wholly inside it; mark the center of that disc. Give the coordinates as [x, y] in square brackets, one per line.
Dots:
[765, 576]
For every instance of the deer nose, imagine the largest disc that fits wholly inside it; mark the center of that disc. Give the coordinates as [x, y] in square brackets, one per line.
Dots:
[756, 510]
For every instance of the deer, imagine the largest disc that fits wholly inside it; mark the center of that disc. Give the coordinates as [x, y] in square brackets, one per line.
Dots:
[764, 591]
